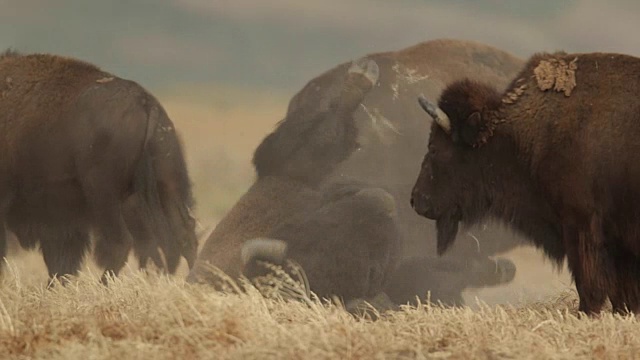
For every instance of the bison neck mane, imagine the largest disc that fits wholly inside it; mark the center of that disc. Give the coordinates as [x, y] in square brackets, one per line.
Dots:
[504, 139]
[510, 196]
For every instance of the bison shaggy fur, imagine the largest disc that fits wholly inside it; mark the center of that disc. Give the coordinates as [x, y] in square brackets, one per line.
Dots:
[553, 156]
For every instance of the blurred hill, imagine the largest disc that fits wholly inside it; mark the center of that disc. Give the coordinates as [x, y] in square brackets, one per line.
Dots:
[280, 44]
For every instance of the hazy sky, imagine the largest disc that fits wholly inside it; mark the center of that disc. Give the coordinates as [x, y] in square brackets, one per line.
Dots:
[281, 44]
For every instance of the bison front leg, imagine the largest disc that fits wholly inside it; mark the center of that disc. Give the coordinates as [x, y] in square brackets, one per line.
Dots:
[589, 263]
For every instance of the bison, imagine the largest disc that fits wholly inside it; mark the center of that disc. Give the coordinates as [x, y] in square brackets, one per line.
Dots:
[85, 152]
[552, 157]
[314, 145]
[348, 246]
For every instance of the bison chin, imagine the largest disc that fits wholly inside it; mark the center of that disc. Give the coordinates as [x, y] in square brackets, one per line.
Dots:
[447, 227]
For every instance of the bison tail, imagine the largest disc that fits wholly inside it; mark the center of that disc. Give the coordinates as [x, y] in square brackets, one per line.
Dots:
[168, 188]
[153, 230]
[265, 249]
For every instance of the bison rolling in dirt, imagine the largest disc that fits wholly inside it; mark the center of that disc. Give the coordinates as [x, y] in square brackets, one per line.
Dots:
[553, 156]
[341, 127]
[83, 151]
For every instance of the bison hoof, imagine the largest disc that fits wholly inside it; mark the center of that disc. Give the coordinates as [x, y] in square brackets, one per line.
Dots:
[369, 308]
[507, 270]
[368, 68]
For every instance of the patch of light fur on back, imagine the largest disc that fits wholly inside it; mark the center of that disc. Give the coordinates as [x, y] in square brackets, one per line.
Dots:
[406, 76]
[378, 122]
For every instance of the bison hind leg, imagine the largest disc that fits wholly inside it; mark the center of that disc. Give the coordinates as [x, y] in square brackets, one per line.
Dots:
[112, 245]
[113, 240]
[63, 249]
[145, 244]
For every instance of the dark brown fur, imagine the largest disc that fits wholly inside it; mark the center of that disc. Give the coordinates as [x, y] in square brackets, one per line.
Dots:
[78, 147]
[348, 245]
[557, 165]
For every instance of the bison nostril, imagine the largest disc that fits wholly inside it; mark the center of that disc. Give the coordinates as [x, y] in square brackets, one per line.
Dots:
[420, 203]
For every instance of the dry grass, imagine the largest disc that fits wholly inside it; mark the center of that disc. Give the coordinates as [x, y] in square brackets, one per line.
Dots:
[151, 316]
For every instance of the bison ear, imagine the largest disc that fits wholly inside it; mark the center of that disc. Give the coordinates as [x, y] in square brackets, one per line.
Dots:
[470, 130]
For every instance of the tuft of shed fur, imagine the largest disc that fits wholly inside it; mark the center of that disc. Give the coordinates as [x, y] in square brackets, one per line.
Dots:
[556, 74]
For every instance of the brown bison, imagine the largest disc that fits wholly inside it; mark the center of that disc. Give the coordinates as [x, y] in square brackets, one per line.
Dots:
[550, 157]
[376, 138]
[348, 246]
[83, 151]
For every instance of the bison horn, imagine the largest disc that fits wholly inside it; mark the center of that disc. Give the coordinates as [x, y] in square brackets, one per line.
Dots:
[271, 250]
[438, 115]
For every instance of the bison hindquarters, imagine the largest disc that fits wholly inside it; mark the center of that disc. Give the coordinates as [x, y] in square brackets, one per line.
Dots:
[348, 245]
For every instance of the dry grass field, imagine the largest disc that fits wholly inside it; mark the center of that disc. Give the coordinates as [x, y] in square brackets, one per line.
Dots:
[156, 317]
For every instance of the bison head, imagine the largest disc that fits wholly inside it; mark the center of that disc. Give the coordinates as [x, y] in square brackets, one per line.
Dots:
[452, 182]
[308, 146]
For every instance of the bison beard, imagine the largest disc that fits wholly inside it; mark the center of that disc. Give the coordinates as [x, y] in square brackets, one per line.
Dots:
[447, 228]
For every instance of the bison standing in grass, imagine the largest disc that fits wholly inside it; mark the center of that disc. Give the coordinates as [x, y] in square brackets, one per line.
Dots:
[553, 157]
[83, 151]
[348, 127]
